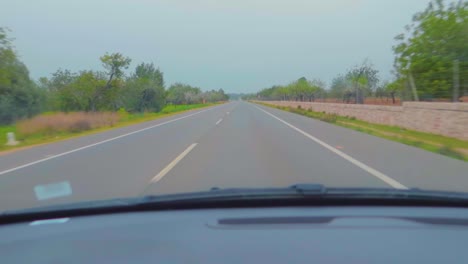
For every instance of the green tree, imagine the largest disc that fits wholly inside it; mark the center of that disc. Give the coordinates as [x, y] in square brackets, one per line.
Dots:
[179, 93]
[56, 87]
[176, 94]
[315, 89]
[364, 79]
[282, 93]
[339, 87]
[269, 93]
[115, 64]
[215, 96]
[394, 89]
[299, 90]
[107, 96]
[148, 71]
[432, 45]
[69, 91]
[144, 90]
[83, 89]
[19, 96]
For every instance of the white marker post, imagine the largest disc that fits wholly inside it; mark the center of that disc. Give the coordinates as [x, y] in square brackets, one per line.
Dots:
[11, 140]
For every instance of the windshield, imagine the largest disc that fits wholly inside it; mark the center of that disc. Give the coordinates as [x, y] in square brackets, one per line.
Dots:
[121, 98]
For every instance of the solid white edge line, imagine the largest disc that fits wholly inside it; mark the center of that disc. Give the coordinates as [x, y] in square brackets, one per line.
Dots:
[172, 164]
[101, 142]
[219, 121]
[354, 161]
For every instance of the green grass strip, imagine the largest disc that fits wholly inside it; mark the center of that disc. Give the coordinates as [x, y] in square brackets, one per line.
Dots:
[125, 120]
[447, 146]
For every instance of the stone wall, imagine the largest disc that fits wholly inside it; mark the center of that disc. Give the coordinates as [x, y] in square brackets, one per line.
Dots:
[449, 119]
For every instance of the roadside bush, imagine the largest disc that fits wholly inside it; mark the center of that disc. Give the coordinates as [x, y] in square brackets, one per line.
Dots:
[123, 114]
[447, 151]
[80, 125]
[66, 122]
[297, 110]
[330, 118]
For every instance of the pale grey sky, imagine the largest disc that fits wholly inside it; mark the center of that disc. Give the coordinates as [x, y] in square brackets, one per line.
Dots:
[238, 45]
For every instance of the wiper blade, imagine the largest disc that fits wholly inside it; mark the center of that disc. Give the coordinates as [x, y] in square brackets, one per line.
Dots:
[296, 195]
[240, 194]
[310, 189]
[312, 192]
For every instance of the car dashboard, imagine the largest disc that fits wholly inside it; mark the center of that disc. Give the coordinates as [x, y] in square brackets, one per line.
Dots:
[331, 234]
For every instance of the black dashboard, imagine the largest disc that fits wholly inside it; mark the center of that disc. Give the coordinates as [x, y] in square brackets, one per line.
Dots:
[334, 234]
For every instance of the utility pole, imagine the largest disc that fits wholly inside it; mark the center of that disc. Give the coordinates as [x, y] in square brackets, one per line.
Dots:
[456, 80]
[356, 93]
[413, 87]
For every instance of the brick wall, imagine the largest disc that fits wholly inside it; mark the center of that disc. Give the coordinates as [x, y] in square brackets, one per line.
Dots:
[449, 119]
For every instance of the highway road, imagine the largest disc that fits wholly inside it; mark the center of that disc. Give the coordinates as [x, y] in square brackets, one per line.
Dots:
[237, 144]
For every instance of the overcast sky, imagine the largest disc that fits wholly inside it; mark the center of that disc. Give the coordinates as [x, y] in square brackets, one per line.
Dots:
[238, 45]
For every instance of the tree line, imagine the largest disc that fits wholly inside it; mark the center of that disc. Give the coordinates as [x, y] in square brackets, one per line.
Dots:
[431, 62]
[357, 83]
[109, 89]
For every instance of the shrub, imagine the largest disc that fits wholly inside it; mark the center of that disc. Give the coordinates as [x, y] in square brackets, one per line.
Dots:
[447, 151]
[66, 122]
[330, 118]
[123, 114]
[80, 125]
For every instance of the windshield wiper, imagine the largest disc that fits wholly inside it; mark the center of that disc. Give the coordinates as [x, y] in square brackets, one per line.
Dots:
[314, 192]
[296, 195]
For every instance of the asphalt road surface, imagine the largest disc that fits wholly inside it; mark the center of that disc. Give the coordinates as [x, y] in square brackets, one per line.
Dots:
[237, 144]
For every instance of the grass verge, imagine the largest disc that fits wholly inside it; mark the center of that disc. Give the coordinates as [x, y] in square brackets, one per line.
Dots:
[451, 147]
[34, 136]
